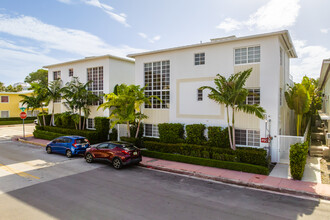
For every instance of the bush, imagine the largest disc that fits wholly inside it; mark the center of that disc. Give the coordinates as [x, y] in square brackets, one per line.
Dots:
[46, 135]
[102, 126]
[133, 129]
[47, 118]
[16, 122]
[92, 136]
[150, 139]
[135, 141]
[218, 137]
[249, 155]
[298, 155]
[114, 134]
[195, 134]
[208, 162]
[171, 132]
[18, 119]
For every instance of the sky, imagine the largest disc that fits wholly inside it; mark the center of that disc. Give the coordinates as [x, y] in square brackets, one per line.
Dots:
[35, 33]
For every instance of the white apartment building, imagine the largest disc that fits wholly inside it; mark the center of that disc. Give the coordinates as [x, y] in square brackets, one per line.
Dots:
[175, 74]
[105, 72]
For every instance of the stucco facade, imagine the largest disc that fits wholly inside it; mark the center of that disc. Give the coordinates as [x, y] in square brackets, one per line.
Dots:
[270, 54]
[324, 86]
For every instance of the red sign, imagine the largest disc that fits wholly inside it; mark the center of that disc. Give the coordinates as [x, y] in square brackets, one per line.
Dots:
[264, 140]
[23, 115]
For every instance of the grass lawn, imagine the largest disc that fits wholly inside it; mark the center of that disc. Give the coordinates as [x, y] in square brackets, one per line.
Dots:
[16, 122]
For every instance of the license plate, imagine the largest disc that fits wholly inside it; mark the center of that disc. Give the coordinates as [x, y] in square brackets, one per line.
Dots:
[134, 153]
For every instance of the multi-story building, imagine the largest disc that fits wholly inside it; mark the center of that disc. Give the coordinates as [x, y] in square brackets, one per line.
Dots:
[324, 86]
[104, 72]
[10, 103]
[176, 74]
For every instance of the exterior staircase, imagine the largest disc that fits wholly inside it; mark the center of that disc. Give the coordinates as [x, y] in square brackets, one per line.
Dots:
[318, 142]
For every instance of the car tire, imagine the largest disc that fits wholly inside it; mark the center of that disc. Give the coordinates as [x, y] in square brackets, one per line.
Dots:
[68, 153]
[49, 150]
[89, 158]
[116, 163]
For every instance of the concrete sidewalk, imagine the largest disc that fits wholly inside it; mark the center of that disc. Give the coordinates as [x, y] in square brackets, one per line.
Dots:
[295, 187]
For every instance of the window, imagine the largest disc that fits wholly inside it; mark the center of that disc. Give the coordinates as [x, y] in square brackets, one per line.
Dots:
[95, 75]
[58, 100]
[247, 137]
[253, 97]
[4, 99]
[199, 95]
[4, 114]
[247, 55]
[71, 72]
[90, 123]
[56, 75]
[199, 58]
[103, 146]
[151, 130]
[157, 82]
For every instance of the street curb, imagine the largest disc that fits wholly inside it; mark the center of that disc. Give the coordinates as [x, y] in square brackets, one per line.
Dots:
[31, 142]
[237, 182]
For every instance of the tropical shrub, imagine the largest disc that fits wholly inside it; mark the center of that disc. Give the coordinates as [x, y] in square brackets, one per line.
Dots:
[171, 132]
[298, 156]
[195, 134]
[102, 126]
[218, 137]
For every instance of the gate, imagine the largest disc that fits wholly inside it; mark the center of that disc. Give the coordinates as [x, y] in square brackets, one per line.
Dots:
[284, 143]
[122, 131]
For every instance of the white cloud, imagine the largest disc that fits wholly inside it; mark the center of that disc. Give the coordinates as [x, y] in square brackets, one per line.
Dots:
[276, 14]
[151, 40]
[121, 18]
[53, 37]
[324, 30]
[309, 61]
[65, 1]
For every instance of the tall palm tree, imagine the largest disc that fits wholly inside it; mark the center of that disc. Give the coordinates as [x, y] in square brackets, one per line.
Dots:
[53, 93]
[232, 94]
[40, 90]
[32, 102]
[297, 97]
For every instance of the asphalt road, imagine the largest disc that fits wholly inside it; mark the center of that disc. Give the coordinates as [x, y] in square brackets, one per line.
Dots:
[35, 185]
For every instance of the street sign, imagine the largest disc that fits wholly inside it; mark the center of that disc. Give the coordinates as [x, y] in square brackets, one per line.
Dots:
[23, 115]
[264, 140]
[22, 109]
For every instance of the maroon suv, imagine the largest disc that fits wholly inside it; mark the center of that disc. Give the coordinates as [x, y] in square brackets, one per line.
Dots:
[118, 153]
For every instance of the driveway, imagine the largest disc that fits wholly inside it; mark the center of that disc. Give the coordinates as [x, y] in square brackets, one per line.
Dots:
[9, 131]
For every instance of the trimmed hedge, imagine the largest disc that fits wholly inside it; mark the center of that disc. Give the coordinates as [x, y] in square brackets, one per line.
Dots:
[46, 135]
[138, 142]
[114, 134]
[249, 155]
[298, 156]
[92, 136]
[150, 139]
[102, 126]
[47, 119]
[218, 137]
[133, 129]
[16, 122]
[171, 132]
[208, 162]
[17, 119]
[195, 134]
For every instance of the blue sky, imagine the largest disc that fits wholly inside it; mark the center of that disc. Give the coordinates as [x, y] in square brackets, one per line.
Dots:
[34, 33]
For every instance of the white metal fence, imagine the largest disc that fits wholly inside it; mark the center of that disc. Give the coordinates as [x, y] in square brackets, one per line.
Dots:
[284, 142]
[122, 131]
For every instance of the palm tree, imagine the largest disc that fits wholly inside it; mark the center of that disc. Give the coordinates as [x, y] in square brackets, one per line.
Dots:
[41, 91]
[32, 102]
[54, 93]
[297, 97]
[78, 97]
[232, 94]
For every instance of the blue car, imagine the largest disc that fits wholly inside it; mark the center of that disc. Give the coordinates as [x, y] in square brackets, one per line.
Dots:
[68, 145]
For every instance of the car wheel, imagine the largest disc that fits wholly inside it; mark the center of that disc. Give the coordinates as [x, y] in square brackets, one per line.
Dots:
[116, 163]
[89, 158]
[49, 150]
[68, 153]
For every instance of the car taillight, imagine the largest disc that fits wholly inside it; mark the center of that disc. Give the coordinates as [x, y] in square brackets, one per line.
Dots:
[125, 152]
[74, 144]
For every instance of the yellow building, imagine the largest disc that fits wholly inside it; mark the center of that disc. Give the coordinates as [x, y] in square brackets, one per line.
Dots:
[10, 103]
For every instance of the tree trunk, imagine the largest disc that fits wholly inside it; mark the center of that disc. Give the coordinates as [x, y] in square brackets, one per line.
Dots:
[299, 116]
[43, 116]
[79, 124]
[233, 129]
[128, 130]
[229, 132]
[138, 128]
[52, 118]
[84, 122]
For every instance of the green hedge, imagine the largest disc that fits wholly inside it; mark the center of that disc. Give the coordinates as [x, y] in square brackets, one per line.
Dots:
[16, 122]
[46, 135]
[114, 134]
[208, 162]
[138, 142]
[298, 156]
[218, 137]
[133, 129]
[249, 155]
[47, 119]
[171, 132]
[150, 139]
[92, 136]
[195, 134]
[17, 119]
[102, 126]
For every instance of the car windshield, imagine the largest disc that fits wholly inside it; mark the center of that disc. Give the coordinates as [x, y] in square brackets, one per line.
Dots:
[82, 141]
[129, 147]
